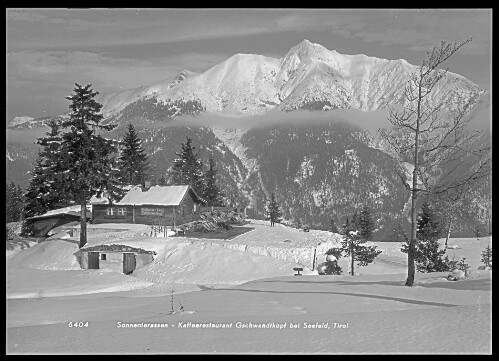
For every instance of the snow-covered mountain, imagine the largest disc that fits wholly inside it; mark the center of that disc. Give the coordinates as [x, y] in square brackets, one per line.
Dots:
[20, 120]
[309, 76]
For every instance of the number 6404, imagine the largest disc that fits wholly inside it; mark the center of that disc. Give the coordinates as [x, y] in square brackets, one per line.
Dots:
[78, 324]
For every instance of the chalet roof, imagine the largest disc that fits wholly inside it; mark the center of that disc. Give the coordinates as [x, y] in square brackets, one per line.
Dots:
[71, 211]
[157, 195]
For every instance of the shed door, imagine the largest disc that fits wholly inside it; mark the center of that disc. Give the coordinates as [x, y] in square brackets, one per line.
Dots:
[93, 260]
[128, 263]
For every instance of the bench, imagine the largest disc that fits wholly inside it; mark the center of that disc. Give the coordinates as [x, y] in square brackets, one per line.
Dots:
[298, 270]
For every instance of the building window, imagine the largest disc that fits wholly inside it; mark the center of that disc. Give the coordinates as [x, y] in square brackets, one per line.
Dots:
[110, 212]
[121, 212]
[103, 257]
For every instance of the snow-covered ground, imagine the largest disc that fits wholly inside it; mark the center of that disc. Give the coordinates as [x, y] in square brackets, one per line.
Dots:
[241, 282]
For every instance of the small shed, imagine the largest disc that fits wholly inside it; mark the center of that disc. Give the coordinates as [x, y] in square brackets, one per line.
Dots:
[42, 224]
[117, 257]
[165, 205]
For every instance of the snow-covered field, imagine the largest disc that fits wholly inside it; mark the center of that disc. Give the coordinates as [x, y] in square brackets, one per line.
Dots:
[244, 282]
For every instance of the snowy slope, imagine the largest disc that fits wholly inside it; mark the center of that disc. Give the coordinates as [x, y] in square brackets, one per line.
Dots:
[46, 291]
[377, 314]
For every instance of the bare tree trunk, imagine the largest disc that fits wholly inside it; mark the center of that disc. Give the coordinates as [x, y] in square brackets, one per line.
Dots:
[448, 231]
[83, 224]
[411, 267]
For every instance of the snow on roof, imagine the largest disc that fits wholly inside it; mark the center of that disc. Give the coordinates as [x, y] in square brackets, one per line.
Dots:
[104, 198]
[71, 210]
[156, 195]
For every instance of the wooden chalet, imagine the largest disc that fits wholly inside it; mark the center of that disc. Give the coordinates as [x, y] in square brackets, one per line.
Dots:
[158, 205]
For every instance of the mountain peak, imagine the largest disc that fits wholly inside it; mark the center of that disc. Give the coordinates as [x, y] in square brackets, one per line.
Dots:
[306, 50]
[187, 73]
[20, 120]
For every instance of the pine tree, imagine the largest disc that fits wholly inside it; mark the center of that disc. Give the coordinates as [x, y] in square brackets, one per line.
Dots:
[162, 180]
[273, 210]
[89, 168]
[366, 224]
[51, 146]
[332, 226]
[332, 267]
[487, 256]
[212, 193]
[133, 159]
[346, 226]
[463, 266]
[355, 221]
[188, 169]
[13, 202]
[45, 191]
[427, 256]
[20, 201]
[47, 188]
[35, 204]
[478, 234]
[353, 245]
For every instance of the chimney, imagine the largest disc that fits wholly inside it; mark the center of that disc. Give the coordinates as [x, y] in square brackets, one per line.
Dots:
[147, 185]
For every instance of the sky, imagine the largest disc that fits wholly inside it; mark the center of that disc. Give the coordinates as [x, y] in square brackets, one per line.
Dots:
[48, 50]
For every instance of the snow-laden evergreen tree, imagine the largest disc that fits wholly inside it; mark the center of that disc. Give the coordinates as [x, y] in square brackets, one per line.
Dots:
[45, 192]
[428, 255]
[89, 168]
[188, 169]
[34, 203]
[51, 153]
[332, 267]
[353, 245]
[487, 256]
[273, 211]
[212, 193]
[463, 266]
[133, 158]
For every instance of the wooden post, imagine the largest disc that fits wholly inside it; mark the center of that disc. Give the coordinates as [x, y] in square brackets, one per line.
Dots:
[173, 227]
[315, 258]
[133, 213]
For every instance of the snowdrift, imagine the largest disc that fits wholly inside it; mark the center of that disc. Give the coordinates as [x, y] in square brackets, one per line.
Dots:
[190, 263]
[57, 255]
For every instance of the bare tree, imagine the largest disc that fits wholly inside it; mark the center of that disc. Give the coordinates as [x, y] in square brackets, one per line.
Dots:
[436, 139]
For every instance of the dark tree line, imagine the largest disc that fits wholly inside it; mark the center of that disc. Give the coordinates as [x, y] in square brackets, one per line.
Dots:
[13, 202]
[188, 169]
